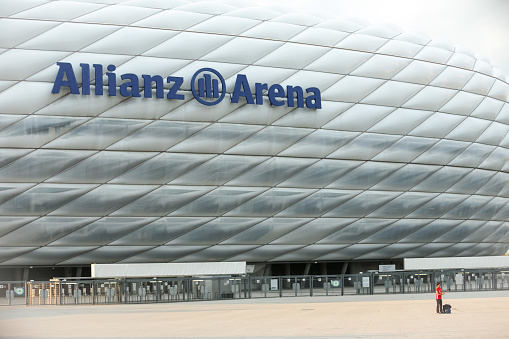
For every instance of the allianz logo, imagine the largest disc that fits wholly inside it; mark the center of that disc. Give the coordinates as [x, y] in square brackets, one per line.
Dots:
[207, 86]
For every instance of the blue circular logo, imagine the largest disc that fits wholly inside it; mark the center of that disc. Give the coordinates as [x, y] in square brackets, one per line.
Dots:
[208, 92]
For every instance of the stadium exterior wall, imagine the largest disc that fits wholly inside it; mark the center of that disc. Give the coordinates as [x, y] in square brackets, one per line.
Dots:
[396, 148]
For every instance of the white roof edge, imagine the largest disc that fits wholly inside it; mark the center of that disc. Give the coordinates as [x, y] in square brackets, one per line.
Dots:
[167, 270]
[456, 263]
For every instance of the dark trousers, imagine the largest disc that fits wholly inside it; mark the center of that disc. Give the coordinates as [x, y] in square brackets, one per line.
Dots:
[439, 306]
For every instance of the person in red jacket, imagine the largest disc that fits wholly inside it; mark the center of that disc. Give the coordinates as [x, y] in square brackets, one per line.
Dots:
[439, 295]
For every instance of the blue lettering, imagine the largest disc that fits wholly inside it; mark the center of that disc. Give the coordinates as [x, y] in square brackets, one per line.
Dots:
[130, 88]
[65, 71]
[242, 89]
[147, 83]
[315, 100]
[172, 93]
[276, 91]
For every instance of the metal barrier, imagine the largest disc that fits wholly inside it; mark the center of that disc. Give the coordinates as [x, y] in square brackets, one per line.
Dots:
[157, 290]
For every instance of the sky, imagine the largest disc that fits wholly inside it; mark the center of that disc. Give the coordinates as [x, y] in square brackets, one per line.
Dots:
[480, 25]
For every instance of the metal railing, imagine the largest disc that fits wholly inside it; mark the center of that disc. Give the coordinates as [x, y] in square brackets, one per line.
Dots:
[160, 290]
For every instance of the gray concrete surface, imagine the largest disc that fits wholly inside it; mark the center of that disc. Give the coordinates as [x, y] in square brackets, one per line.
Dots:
[474, 315]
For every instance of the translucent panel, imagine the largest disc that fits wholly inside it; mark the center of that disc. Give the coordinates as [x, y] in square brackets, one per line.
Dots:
[173, 19]
[32, 61]
[162, 168]
[251, 114]
[351, 89]
[400, 121]
[472, 156]
[383, 31]
[499, 90]
[115, 14]
[279, 57]
[241, 50]
[387, 251]
[434, 54]
[265, 253]
[414, 37]
[350, 60]
[479, 84]
[483, 232]
[468, 130]
[495, 185]
[472, 182]
[160, 231]
[102, 231]
[494, 134]
[462, 103]
[452, 77]
[495, 236]
[483, 66]
[270, 141]
[225, 25]
[217, 202]
[365, 175]
[406, 177]
[402, 205]
[349, 120]
[461, 231]
[396, 231]
[219, 170]
[9, 155]
[400, 48]
[21, 30]
[306, 79]
[67, 33]
[215, 231]
[361, 42]
[103, 200]
[273, 30]
[419, 72]
[503, 214]
[8, 191]
[381, 66]
[261, 74]
[219, 8]
[489, 210]
[319, 36]
[503, 116]
[392, 93]
[313, 231]
[216, 138]
[162, 201]
[431, 231]
[351, 252]
[442, 152]
[298, 19]
[48, 255]
[42, 199]
[462, 61]
[320, 143]
[271, 202]
[318, 203]
[344, 24]
[309, 253]
[140, 40]
[100, 167]
[438, 206]
[39, 97]
[302, 118]
[475, 250]
[442, 179]
[362, 204]
[35, 131]
[11, 252]
[356, 231]
[438, 125]
[105, 255]
[364, 147]
[266, 231]
[158, 136]
[183, 45]
[468, 207]
[40, 164]
[7, 224]
[496, 160]
[320, 174]
[488, 109]
[43, 231]
[272, 172]
[215, 253]
[405, 149]
[453, 250]
[430, 98]
[162, 254]
[97, 134]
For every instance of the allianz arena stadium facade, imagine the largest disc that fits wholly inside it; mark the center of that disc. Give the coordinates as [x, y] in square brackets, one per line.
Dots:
[265, 136]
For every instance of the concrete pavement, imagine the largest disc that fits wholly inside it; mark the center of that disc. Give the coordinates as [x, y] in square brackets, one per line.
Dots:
[474, 314]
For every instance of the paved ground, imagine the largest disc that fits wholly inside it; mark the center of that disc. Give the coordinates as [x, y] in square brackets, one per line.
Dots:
[474, 315]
